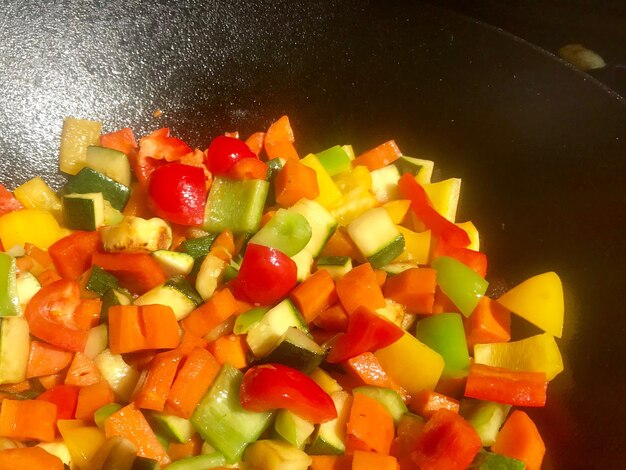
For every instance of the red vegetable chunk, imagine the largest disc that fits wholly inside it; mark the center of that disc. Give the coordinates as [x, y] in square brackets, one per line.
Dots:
[224, 152]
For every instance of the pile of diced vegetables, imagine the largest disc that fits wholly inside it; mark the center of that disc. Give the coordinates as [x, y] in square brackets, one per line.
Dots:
[247, 307]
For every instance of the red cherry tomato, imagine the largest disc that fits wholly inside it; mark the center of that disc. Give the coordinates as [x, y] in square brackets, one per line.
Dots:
[50, 315]
[266, 275]
[177, 193]
[270, 386]
[224, 152]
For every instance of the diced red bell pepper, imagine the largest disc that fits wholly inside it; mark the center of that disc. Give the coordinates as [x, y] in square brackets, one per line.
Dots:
[144, 166]
[178, 193]
[367, 331]
[8, 202]
[138, 272]
[446, 442]
[225, 152]
[441, 227]
[64, 397]
[506, 386]
[122, 140]
[72, 254]
[271, 386]
[266, 275]
[160, 145]
[471, 258]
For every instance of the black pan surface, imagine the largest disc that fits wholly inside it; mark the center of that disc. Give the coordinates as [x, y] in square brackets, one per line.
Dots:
[540, 147]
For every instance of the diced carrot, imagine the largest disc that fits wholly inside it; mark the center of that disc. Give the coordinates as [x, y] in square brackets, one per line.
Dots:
[48, 277]
[193, 380]
[232, 349]
[314, 295]
[83, 371]
[122, 140]
[224, 246]
[135, 328]
[28, 419]
[407, 434]
[381, 277]
[72, 255]
[221, 306]
[178, 451]
[367, 368]
[490, 322]
[160, 326]
[138, 204]
[45, 359]
[362, 460]
[426, 402]
[279, 140]
[87, 314]
[29, 458]
[331, 462]
[360, 287]
[340, 244]
[92, 397]
[159, 377]
[285, 150]
[24, 264]
[39, 255]
[130, 423]
[190, 341]
[140, 360]
[520, 439]
[413, 288]
[255, 142]
[443, 304]
[379, 156]
[295, 181]
[332, 319]
[370, 426]
[138, 272]
[248, 169]
[8, 202]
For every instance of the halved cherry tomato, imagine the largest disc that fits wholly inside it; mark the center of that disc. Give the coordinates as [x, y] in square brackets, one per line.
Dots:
[266, 275]
[270, 386]
[224, 152]
[50, 315]
[178, 193]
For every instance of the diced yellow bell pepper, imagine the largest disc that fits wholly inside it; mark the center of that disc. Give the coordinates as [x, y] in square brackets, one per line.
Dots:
[538, 353]
[397, 209]
[329, 195]
[353, 204]
[412, 364]
[539, 300]
[472, 232]
[82, 441]
[36, 194]
[29, 225]
[324, 380]
[425, 173]
[444, 196]
[359, 177]
[349, 150]
[416, 246]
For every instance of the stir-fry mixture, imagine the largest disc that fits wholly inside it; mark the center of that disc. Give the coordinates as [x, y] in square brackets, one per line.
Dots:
[251, 306]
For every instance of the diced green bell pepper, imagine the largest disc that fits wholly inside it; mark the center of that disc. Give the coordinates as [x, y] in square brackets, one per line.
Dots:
[9, 300]
[460, 283]
[490, 461]
[335, 160]
[486, 417]
[444, 333]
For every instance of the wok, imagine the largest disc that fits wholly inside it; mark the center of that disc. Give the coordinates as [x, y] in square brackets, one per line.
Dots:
[540, 147]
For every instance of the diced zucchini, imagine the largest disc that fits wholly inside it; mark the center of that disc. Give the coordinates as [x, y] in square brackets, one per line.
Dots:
[210, 275]
[265, 334]
[97, 340]
[176, 293]
[121, 376]
[76, 136]
[113, 297]
[397, 268]
[198, 248]
[245, 320]
[292, 428]
[88, 181]
[296, 350]
[116, 452]
[111, 215]
[486, 417]
[421, 169]
[173, 262]
[174, 428]
[376, 236]
[9, 301]
[58, 449]
[109, 162]
[337, 266]
[36, 194]
[100, 281]
[330, 437]
[235, 204]
[270, 454]
[335, 160]
[220, 419]
[83, 211]
[390, 399]
[137, 235]
[273, 167]
[27, 286]
[199, 462]
[286, 231]
[385, 183]
[144, 463]
[304, 262]
[392, 311]
[14, 349]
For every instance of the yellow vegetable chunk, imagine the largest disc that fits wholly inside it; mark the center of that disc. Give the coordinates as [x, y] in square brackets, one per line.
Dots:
[36, 194]
[82, 441]
[538, 353]
[444, 196]
[76, 136]
[472, 233]
[416, 246]
[412, 364]
[329, 195]
[397, 209]
[29, 226]
[539, 300]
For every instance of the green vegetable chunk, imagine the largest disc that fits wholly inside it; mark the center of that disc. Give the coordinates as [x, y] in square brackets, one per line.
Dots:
[460, 283]
[444, 333]
[9, 300]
